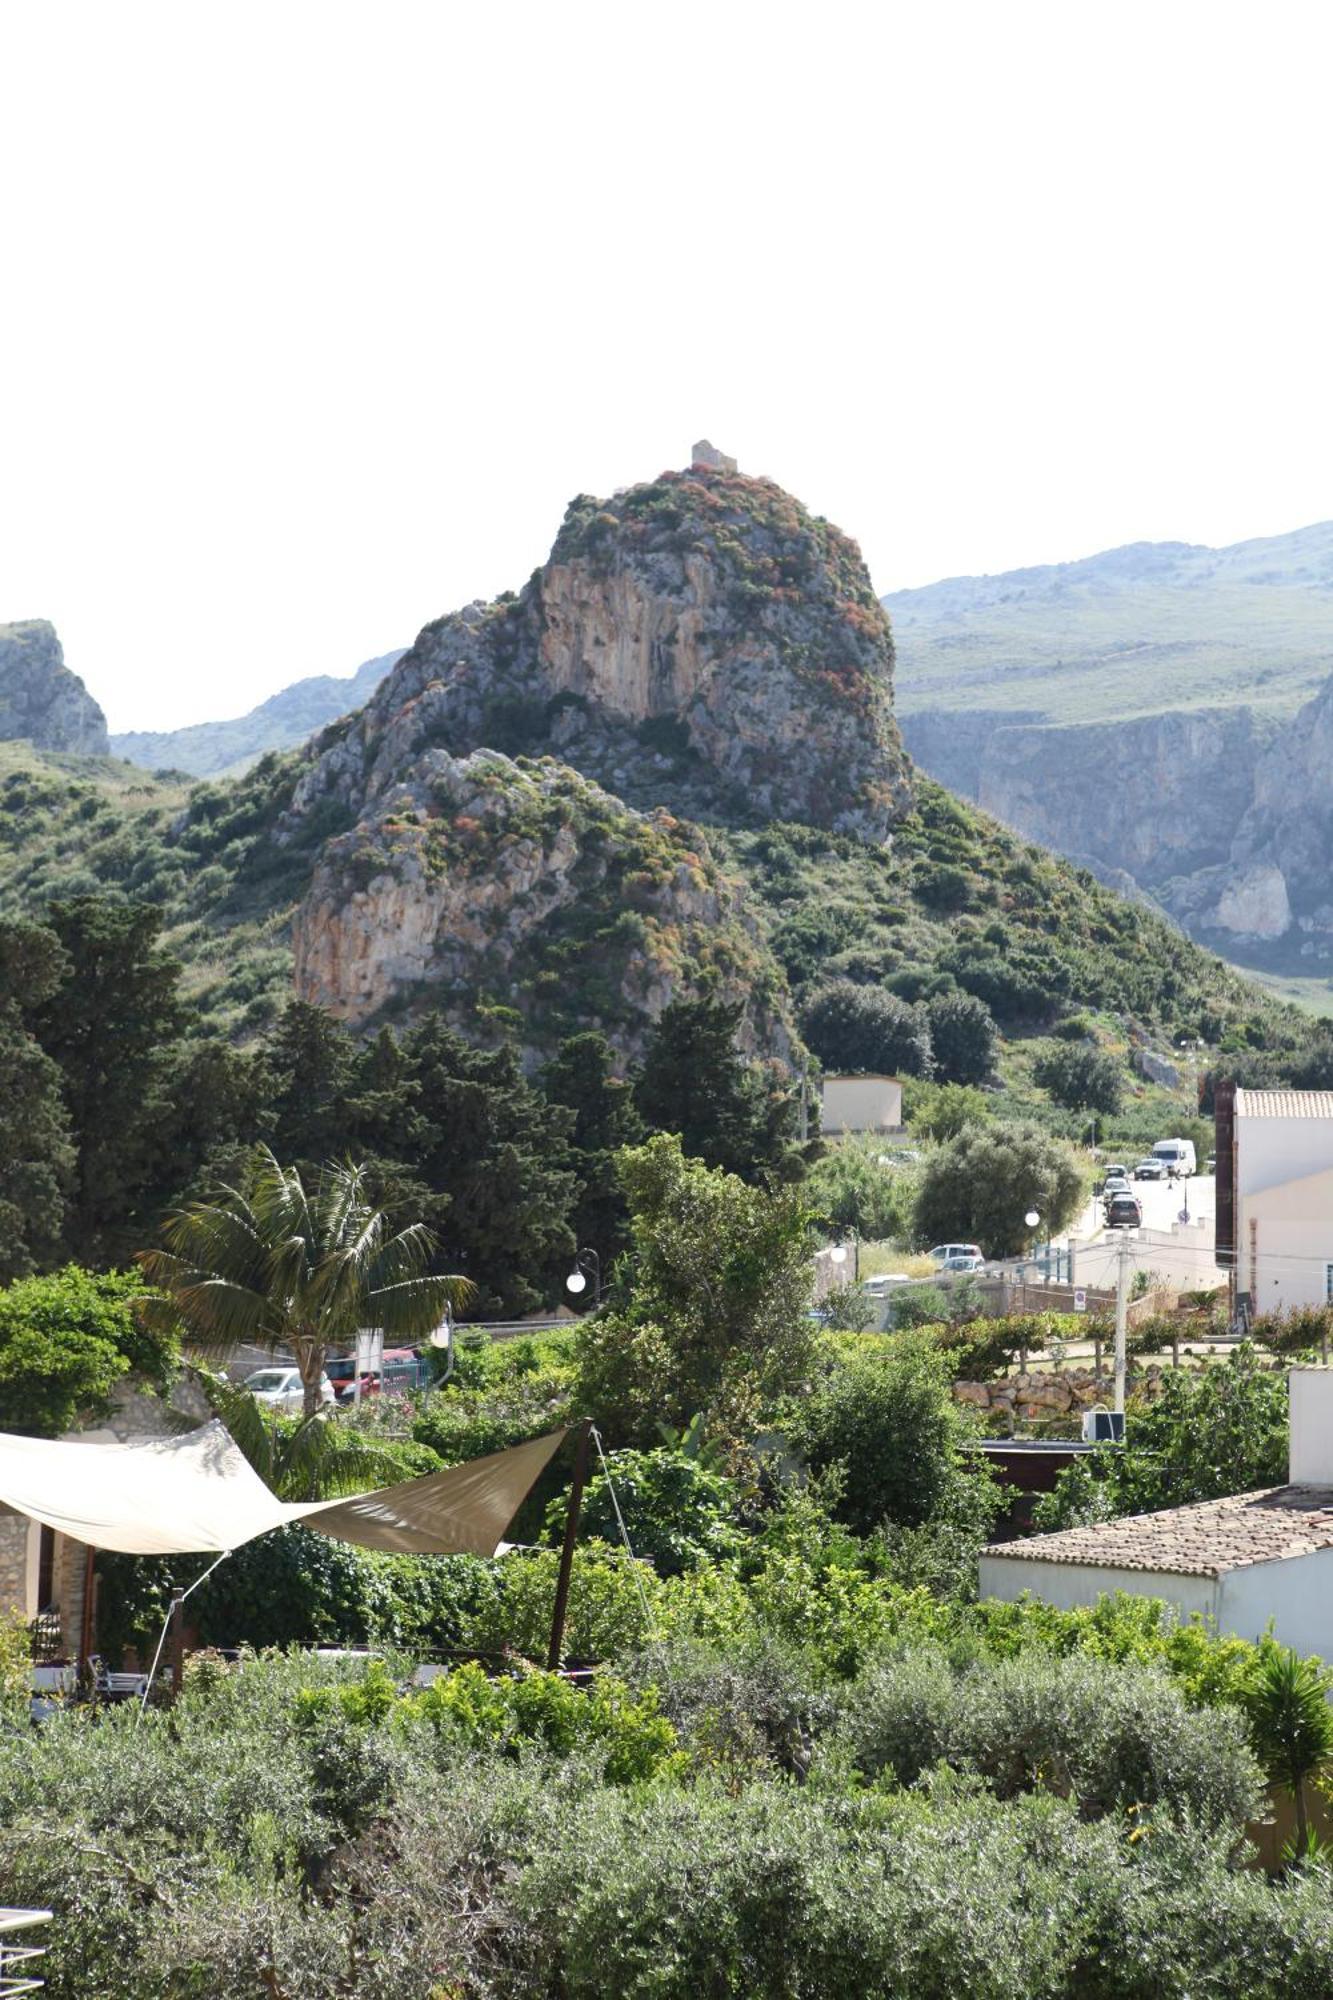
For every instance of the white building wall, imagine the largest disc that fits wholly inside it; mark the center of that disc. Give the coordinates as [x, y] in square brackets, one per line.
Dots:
[1310, 1404]
[1284, 1242]
[1272, 1150]
[1294, 1595]
[1070, 1585]
[861, 1104]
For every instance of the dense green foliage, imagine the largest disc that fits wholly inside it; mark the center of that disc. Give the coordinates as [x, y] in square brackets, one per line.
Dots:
[1080, 1077]
[712, 1314]
[887, 1421]
[1206, 1435]
[36, 1155]
[728, 1113]
[980, 1186]
[66, 1340]
[864, 1028]
[857, 1185]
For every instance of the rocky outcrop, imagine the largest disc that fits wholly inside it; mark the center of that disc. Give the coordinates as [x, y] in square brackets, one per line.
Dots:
[479, 884]
[700, 637]
[1155, 796]
[701, 640]
[40, 699]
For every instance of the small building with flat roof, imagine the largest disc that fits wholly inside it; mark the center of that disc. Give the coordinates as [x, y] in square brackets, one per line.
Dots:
[861, 1104]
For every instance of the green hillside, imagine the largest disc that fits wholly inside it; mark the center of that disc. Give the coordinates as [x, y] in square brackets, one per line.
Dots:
[1135, 631]
[954, 895]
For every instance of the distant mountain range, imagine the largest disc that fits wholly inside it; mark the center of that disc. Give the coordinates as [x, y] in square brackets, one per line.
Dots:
[1141, 630]
[225, 749]
[1159, 712]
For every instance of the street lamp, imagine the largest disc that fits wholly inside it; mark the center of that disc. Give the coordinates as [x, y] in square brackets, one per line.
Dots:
[442, 1340]
[587, 1264]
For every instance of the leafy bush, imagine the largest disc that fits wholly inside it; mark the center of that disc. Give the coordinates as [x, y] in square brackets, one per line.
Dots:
[635, 1740]
[982, 1184]
[888, 1422]
[1081, 1078]
[1203, 1436]
[963, 1038]
[1111, 1736]
[297, 1587]
[860, 1028]
[856, 1185]
[611, 1605]
[943, 1110]
[66, 1340]
[676, 1511]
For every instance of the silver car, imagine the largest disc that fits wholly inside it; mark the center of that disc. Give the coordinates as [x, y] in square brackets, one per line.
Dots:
[283, 1389]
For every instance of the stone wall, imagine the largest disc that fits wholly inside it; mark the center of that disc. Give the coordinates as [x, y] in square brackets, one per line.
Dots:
[13, 1560]
[1053, 1394]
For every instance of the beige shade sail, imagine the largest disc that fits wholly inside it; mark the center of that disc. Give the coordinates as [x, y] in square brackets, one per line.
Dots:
[199, 1494]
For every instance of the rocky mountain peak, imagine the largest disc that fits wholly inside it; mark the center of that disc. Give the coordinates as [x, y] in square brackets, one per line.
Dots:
[699, 641]
[697, 648]
[40, 699]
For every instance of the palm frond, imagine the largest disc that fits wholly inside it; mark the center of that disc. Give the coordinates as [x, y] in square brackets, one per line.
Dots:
[319, 1460]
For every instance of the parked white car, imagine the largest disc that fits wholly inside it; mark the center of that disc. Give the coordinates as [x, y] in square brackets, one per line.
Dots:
[1177, 1156]
[945, 1253]
[282, 1389]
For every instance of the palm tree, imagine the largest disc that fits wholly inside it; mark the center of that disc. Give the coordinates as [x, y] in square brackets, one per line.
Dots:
[1291, 1723]
[278, 1264]
[315, 1459]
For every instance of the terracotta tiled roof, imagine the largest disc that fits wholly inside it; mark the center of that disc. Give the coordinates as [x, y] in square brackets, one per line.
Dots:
[1204, 1540]
[1284, 1104]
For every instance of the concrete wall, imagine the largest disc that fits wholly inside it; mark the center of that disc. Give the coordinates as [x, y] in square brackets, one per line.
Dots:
[1272, 1150]
[1069, 1585]
[1182, 1256]
[861, 1104]
[1296, 1595]
[1310, 1395]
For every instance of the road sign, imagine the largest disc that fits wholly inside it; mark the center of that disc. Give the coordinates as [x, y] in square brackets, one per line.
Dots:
[1080, 1299]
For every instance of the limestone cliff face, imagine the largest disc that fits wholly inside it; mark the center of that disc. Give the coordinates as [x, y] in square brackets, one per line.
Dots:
[1155, 796]
[527, 892]
[699, 646]
[1224, 816]
[40, 698]
[700, 639]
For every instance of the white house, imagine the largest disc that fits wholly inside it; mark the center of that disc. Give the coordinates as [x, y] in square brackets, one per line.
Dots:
[1243, 1562]
[861, 1104]
[1275, 1195]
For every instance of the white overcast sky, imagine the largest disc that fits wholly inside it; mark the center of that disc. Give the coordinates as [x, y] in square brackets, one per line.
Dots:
[314, 316]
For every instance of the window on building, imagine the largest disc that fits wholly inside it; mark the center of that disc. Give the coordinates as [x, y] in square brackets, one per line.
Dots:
[1328, 1283]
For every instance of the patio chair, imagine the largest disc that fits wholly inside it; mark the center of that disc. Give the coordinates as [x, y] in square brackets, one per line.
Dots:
[108, 1686]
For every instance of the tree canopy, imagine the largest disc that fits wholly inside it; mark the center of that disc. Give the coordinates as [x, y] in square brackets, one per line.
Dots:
[981, 1185]
[867, 1029]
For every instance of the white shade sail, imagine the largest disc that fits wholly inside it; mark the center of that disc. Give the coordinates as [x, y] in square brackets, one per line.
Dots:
[199, 1494]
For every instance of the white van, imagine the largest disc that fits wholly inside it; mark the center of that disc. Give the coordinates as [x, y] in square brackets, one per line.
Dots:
[1177, 1156]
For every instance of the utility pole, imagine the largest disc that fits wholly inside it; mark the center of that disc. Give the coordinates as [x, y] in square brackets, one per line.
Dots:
[1121, 1316]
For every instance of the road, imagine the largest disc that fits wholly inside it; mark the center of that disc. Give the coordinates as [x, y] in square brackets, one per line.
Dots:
[1179, 1250]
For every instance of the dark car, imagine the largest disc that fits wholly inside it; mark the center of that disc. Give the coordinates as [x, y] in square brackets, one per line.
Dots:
[1124, 1211]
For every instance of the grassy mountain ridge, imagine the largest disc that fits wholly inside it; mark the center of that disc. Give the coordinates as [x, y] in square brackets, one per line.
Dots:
[1138, 630]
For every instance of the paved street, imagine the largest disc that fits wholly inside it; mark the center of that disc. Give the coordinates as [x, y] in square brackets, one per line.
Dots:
[1180, 1251]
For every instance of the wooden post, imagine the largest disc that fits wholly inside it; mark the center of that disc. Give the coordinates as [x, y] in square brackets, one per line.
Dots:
[567, 1552]
[177, 1642]
[87, 1630]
